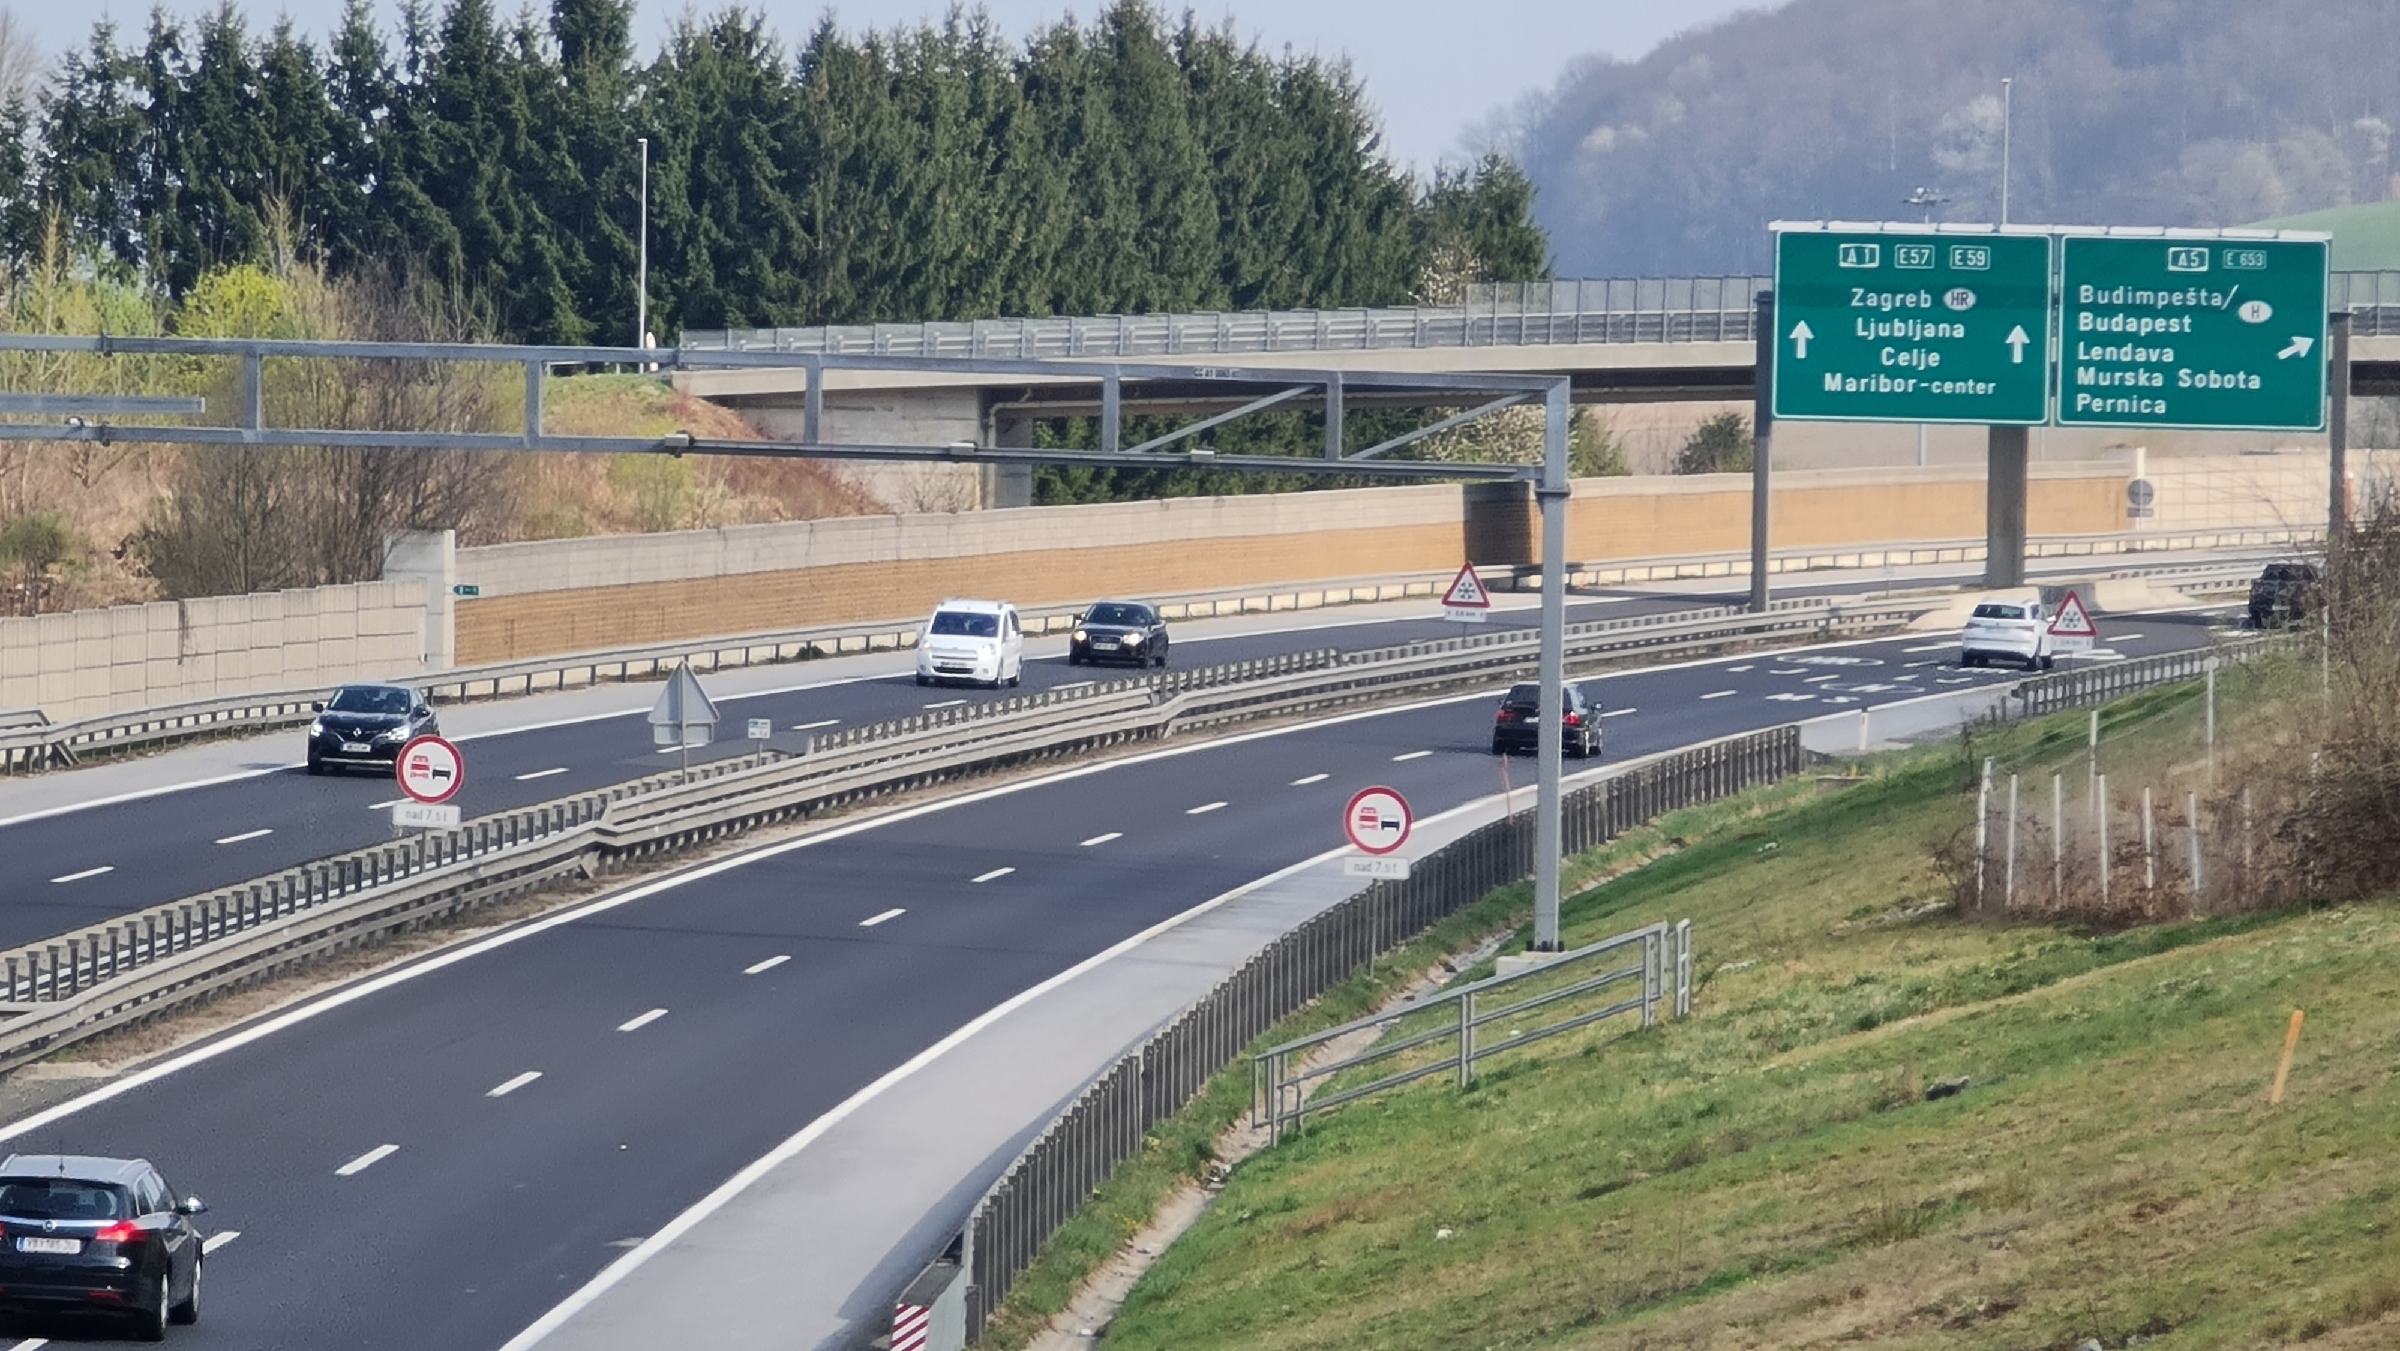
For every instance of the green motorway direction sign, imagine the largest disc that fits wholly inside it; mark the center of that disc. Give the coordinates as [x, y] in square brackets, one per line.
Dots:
[2192, 332]
[1893, 326]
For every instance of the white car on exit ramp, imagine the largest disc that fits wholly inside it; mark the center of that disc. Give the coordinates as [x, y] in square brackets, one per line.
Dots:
[2012, 627]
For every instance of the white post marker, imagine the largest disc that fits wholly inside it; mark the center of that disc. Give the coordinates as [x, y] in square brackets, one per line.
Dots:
[1377, 821]
[2072, 629]
[1467, 600]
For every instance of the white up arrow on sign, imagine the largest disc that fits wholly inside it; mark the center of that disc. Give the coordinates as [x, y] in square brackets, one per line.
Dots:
[1801, 333]
[2298, 348]
[2016, 341]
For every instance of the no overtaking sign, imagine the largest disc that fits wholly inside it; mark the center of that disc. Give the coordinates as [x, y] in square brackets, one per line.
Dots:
[431, 770]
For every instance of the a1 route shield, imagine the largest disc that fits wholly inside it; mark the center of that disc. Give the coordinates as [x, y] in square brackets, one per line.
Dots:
[2200, 332]
[1894, 325]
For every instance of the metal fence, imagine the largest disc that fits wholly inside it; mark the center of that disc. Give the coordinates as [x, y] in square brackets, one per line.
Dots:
[1106, 1123]
[1283, 1082]
[2101, 683]
[1544, 313]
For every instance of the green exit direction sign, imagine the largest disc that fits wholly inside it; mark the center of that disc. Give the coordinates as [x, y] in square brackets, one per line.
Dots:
[2192, 331]
[1888, 324]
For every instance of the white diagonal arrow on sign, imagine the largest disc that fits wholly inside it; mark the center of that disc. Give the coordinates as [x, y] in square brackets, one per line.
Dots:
[2298, 348]
[1801, 333]
[2016, 341]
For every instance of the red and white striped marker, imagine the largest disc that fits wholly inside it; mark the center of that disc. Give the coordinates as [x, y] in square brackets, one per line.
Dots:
[911, 1325]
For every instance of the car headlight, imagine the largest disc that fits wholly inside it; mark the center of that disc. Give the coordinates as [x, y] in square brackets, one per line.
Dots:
[1134, 639]
[396, 734]
[317, 727]
[1080, 635]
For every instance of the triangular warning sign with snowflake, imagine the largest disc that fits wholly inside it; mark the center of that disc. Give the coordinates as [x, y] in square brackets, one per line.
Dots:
[1466, 591]
[2072, 620]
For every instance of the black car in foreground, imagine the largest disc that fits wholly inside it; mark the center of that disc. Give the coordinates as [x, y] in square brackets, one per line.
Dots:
[2285, 593]
[1119, 631]
[80, 1234]
[1517, 724]
[367, 725]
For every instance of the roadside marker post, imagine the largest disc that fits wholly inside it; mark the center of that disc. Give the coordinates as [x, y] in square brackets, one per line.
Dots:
[2283, 1066]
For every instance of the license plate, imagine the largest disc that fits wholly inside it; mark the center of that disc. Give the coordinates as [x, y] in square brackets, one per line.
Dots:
[64, 1246]
[1105, 644]
[354, 748]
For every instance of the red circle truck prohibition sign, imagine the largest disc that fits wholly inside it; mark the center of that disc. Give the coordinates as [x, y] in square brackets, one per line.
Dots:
[1377, 820]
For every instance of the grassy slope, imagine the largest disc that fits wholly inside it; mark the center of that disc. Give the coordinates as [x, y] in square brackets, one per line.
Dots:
[2366, 237]
[1768, 1175]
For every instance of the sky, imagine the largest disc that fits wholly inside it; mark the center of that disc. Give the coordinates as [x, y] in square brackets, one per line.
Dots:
[1433, 76]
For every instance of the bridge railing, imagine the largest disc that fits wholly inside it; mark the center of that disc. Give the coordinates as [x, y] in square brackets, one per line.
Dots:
[1504, 314]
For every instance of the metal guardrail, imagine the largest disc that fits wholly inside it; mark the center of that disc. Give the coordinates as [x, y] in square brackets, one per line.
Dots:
[1107, 1121]
[31, 745]
[1282, 1076]
[1553, 313]
[62, 989]
[2099, 684]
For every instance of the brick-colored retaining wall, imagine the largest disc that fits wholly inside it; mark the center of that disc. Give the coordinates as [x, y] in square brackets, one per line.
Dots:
[574, 595]
[140, 656]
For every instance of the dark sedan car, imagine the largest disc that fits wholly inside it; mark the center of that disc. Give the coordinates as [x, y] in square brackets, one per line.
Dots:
[2285, 593]
[91, 1235]
[1121, 631]
[1517, 724]
[367, 725]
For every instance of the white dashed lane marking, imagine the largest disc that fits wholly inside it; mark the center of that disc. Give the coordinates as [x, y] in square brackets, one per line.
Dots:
[872, 920]
[768, 965]
[1412, 755]
[945, 703]
[1203, 809]
[637, 1023]
[1103, 839]
[367, 1160]
[1313, 778]
[1929, 647]
[1819, 680]
[1737, 670]
[1619, 712]
[541, 774]
[812, 726]
[994, 875]
[513, 1085]
[248, 835]
[1721, 694]
[213, 1242]
[88, 872]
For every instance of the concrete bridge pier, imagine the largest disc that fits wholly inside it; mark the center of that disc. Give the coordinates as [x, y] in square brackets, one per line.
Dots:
[2004, 507]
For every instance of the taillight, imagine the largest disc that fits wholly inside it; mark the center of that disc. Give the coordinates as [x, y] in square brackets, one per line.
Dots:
[1574, 720]
[123, 1231]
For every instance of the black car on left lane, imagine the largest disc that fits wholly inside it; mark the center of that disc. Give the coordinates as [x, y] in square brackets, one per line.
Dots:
[1119, 630]
[367, 725]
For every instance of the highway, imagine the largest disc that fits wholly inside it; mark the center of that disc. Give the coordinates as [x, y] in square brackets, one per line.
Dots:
[434, 1157]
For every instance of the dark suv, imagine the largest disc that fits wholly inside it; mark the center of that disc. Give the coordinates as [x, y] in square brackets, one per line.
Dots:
[367, 725]
[2283, 594]
[1517, 723]
[92, 1235]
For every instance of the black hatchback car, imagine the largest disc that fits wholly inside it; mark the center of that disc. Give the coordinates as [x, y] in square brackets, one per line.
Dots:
[91, 1235]
[1517, 724]
[367, 725]
[1119, 630]
[2284, 593]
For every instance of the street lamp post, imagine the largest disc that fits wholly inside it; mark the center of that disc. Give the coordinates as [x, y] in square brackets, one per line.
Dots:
[1928, 199]
[2007, 87]
[641, 282]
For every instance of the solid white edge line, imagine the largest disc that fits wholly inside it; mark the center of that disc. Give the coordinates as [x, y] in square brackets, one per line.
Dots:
[812, 726]
[503, 1090]
[367, 1160]
[248, 835]
[219, 1239]
[438, 961]
[994, 875]
[541, 774]
[615, 1272]
[639, 1021]
[88, 872]
[768, 965]
[1412, 755]
[1102, 839]
[945, 703]
[872, 920]
[1203, 809]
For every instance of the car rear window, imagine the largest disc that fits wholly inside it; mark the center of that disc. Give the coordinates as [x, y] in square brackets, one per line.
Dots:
[1999, 612]
[369, 699]
[966, 624]
[1133, 615]
[58, 1198]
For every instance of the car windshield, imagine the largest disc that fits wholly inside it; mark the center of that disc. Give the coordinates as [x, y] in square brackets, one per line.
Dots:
[1130, 616]
[965, 624]
[1992, 611]
[1530, 696]
[369, 699]
[2289, 572]
[58, 1198]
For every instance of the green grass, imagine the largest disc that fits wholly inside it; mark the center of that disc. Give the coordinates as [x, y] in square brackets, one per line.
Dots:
[2366, 237]
[1769, 1174]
